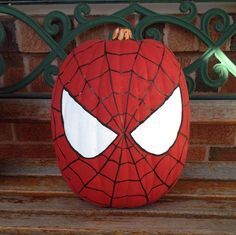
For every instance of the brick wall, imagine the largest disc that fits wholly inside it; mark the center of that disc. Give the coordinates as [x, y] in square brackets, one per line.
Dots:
[27, 128]
[23, 50]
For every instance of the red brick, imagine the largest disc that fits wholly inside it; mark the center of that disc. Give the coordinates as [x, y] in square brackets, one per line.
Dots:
[214, 35]
[230, 84]
[33, 131]
[233, 43]
[222, 154]
[14, 68]
[186, 58]
[196, 153]
[24, 110]
[200, 85]
[179, 39]
[94, 33]
[9, 43]
[102, 32]
[27, 150]
[212, 134]
[233, 39]
[228, 87]
[6, 132]
[13, 75]
[133, 19]
[202, 88]
[39, 84]
[28, 40]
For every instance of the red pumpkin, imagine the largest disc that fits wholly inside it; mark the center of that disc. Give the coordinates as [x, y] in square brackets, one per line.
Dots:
[120, 121]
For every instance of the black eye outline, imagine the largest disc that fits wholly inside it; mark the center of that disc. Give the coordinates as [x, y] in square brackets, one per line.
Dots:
[88, 114]
[150, 116]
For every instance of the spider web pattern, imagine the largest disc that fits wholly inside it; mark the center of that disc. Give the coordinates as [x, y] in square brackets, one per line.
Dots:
[121, 83]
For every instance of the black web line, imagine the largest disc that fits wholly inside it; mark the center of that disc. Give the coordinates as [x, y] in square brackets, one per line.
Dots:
[182, 134]
[59, 111]
[55, 126]
[156, 186]
[148, 108]
[117, 172]
[98, 190]
[100, 102]
[167, 76]
[58, 137]
[112, 117]
[174, 61]
[111, 83]
[154, 169]
[72, 77]
[160, 91]
[130, 81]
[136, 195]
[90, 62]
[90, 87]
[186, 140]
[171, 156]
[98, 172]
[131, 155]
[147, 90]
[91, 166]
[121, 54]
[92, 90]
[76, 174]
[120, 72]
[133, 53]
[177, 161]
[144, 57]
[179, 132]
[111, 160]
[98, 76]
[61, 151]
[128, 114]
[77, 53]
[76, 160]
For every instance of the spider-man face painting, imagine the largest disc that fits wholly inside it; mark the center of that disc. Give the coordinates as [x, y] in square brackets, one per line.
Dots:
[120, 121]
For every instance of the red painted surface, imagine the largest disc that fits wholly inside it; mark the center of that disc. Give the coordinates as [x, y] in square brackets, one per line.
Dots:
[121, 83]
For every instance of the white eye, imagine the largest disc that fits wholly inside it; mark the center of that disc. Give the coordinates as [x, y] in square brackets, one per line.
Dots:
[159, 131]
[86, 134]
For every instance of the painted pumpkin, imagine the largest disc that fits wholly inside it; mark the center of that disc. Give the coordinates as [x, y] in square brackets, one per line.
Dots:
[120, 121]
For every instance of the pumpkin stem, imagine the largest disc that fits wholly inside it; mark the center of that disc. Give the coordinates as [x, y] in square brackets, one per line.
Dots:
[122, 34]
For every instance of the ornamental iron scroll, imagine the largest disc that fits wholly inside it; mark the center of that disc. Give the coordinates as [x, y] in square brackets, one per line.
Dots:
[55, 19]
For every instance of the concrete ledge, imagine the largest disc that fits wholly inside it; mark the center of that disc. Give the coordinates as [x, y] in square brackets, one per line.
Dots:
[39, 166]
[207, 111]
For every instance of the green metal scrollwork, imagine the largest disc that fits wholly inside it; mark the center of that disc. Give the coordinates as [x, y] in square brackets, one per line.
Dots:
[56, 20]
[53, 28]
[2, 62]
